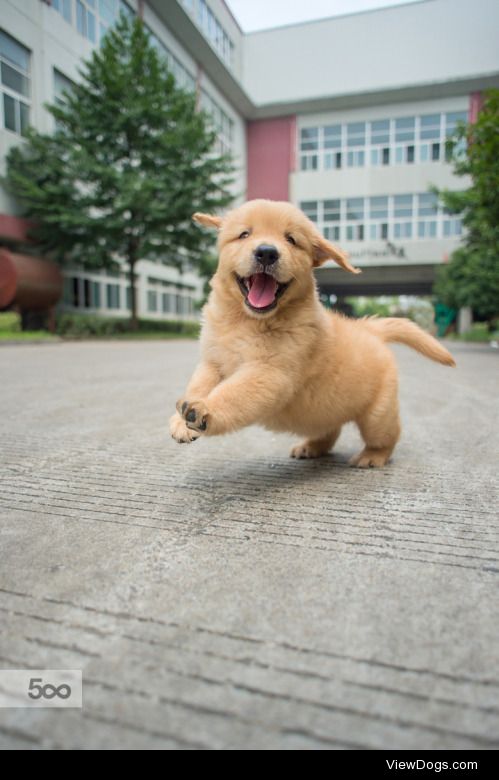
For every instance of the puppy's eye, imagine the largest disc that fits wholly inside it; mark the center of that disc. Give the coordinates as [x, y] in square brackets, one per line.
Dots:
[244, 234]
[290, 239]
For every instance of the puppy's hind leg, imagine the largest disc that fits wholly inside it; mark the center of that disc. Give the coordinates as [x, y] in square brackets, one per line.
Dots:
[380, 429]
[314, 448]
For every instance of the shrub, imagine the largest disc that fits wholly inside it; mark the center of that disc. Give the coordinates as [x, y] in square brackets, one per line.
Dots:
[88, 325]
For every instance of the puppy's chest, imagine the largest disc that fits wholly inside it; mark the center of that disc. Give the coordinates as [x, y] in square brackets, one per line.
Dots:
[230, 352]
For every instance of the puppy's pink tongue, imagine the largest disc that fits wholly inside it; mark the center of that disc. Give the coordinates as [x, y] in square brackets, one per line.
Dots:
[262, 291]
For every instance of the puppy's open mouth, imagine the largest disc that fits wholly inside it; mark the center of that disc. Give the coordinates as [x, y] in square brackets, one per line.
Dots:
[261, 291]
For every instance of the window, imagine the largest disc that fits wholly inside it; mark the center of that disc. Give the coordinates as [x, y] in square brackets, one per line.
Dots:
[331, 217]
[405, 132]
[403, 214]
[355, 219]
[309, 139]
[427, 206]
[452, 227]
[61, 84]
[222, 124]
[332, 160]
[113, 296]
[95, 293]
[309, 142]
[355, 159]
[167, 303]
[309, 208]
[152, 300]
[332, 137]
[378, 217]
[85, 18]
[81, 293]
[109, 11]
[452, 120]
[356, 134]
[212, 29]
[379, 139]
[64, 8]
[14, 84]
[332, 140]
[380, 132]
[404, 129]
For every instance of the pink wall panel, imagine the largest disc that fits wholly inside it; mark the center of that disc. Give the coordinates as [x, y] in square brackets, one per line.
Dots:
[271, 157]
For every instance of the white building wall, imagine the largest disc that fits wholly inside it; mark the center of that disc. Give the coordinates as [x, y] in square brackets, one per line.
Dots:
[428, 42]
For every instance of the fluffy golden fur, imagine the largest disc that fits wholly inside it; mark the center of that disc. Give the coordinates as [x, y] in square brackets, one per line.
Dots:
[292, 366]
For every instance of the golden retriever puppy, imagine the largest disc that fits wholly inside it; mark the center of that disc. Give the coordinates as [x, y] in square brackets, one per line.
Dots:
[273, 355]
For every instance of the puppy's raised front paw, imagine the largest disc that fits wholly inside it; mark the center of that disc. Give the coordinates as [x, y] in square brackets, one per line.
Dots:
[180, 432]
[195, 414]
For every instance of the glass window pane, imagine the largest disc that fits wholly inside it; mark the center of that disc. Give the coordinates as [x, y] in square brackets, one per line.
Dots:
[107, 10]
[80, 18]
[332, 137]
[452, 119]
[309, 207]
[14, 52]
[402, 205]
[378, 207]
[380, 132]
[96, 295]
[9, 113]
[356, 134]
[14, 80]
[427, 204]
[309, 139]
[24, 116]
[90, 27]
[61, 84]
[404, 128]
[429, 126]
[355, 208]
[332, 210]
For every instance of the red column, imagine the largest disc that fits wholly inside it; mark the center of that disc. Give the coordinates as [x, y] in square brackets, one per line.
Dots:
[475, 106]
[271, 157]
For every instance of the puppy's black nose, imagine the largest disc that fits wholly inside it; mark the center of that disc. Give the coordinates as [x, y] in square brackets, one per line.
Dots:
[266, 254]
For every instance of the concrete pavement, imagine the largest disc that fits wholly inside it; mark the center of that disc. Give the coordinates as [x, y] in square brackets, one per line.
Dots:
[219, 595]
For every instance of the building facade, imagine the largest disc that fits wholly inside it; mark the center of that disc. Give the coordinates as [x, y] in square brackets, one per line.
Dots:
[347, 117]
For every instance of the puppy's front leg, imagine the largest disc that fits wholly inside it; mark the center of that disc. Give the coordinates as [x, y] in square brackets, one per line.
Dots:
[243, 399]
[204, 379]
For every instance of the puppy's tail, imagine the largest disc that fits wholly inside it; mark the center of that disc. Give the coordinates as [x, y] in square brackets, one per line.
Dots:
[406, 332]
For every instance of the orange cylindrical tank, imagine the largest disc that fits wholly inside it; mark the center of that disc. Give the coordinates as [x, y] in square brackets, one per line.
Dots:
[28, 282]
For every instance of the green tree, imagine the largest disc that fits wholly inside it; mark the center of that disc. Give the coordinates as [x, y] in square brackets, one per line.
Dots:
[471, 278]
[129, 162]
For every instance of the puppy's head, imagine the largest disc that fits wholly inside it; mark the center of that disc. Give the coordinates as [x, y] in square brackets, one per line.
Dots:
[268, 250]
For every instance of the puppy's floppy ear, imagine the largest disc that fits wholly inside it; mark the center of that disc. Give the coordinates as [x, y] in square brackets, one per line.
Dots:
[323, 250]
[207, 220]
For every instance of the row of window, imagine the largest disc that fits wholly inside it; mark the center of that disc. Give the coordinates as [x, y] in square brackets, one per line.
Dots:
[15, 85]
[92, 17]
[223, 125]
[211, 27]
[404, 140]
[83, 293]
[380, 218]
